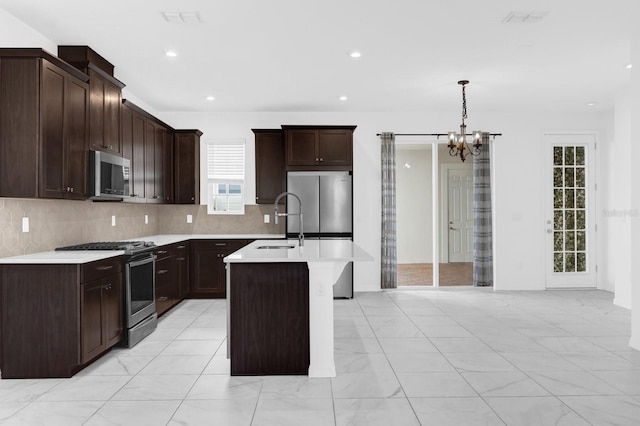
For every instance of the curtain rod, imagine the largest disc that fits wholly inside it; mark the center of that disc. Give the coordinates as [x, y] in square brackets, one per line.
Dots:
[436, 134]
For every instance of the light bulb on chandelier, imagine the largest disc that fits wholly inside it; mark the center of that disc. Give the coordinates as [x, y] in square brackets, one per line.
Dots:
[458, 146]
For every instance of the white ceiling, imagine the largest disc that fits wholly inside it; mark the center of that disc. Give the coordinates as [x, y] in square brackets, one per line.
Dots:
[293, 55]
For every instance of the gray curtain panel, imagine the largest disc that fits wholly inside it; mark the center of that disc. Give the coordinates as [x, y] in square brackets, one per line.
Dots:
[482, 227]
[389, 257]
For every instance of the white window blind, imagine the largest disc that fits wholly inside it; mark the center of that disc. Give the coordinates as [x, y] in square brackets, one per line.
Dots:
[225, 176]
[225, 160]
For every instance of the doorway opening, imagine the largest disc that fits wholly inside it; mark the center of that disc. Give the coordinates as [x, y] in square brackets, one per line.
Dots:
[434, 197]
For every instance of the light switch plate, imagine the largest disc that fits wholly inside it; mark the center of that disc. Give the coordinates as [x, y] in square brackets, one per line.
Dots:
[267, 218]
[113, 220]
[146, 219]
[189, 218]
[25, 224]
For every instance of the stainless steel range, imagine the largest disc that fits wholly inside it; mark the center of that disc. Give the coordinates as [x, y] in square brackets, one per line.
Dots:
[140, 293]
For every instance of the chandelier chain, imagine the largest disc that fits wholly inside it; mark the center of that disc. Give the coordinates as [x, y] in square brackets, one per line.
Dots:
[464, 104]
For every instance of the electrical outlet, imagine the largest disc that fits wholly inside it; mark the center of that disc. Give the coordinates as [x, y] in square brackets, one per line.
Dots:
[189, 218]
[146, 219]
[267, 218]
[113, 220]
[25, 224]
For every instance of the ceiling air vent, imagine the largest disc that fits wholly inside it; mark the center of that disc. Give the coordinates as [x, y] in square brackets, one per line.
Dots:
[182, 17]
[524, 17]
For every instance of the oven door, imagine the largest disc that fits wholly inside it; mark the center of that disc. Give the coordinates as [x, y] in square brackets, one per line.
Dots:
[140, 289]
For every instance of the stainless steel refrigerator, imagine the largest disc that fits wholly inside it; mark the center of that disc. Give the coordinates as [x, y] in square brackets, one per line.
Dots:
[327, 208]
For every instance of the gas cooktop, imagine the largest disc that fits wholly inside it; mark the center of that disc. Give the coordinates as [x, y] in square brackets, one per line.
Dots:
[127, 246]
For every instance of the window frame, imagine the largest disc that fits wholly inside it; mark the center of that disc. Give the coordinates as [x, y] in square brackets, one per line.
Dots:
[226, 177]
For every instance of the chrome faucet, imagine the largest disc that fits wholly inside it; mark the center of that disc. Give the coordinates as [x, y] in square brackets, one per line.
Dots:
[299, 214]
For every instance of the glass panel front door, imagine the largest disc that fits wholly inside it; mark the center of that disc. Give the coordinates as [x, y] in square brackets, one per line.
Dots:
[571, 225]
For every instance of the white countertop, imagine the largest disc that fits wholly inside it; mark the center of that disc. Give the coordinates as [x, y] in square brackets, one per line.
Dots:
[312, 251]
[78, 257]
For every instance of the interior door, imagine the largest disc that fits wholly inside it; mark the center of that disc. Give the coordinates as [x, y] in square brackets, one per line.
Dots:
[570, 212]
[460, 205]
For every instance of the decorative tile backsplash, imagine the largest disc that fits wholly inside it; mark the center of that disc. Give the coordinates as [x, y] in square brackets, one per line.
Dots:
[56, 223]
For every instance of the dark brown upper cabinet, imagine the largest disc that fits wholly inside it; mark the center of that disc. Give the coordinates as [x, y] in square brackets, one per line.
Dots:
[319, 147]
[270, 166]
[43, 126]
[186, 166]
[105, 97]
[148, 144]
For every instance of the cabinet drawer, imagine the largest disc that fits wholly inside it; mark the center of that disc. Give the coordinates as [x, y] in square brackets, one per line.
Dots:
[163, 271]
[100, 269]
[177, 249]
[224, 245]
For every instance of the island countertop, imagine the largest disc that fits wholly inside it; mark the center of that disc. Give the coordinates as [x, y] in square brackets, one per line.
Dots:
[268, 251]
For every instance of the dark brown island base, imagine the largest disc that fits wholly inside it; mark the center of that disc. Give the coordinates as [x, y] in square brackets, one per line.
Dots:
[269, 318]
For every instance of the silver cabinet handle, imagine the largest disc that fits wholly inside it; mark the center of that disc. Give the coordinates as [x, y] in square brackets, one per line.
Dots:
[163, 271]
[104, 268]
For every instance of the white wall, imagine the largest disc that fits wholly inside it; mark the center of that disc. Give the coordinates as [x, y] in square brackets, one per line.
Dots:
[15, 33]
[634, 195]
[616, 213]
[414, 211]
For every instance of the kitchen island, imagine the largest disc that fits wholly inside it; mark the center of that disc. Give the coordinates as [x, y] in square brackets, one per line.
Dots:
[280, 305]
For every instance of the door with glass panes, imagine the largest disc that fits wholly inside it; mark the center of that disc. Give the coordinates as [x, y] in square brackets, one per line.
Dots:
[570, 260]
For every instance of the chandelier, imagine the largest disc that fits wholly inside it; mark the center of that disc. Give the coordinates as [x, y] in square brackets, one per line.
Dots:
[458, 146]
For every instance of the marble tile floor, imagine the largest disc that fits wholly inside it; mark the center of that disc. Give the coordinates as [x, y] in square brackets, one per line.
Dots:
[452, 356]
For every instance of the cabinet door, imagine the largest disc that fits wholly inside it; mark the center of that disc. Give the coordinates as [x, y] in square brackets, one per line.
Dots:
[64, 133]
[111, 117]
[301, 147]
[187, 167]
[76, 109]
[105, 100]
[335, 147]
[270, 168]
[165, 278]
[96, 111]
[52, 183]
[208, 273]
[166, 173]
[182, 261]
[113, 309]
[93, 338]
[138, 166]
[150, 161]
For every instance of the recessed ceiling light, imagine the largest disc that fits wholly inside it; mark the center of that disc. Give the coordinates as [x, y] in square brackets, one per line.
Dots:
[182, 17]
[343, 98]
[518, 17]
[629, 66]
[355, 54]
[592, 104]
[171, 54]
[210, 98]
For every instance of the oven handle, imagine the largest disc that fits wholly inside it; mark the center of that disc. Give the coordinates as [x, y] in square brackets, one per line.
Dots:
[144, 261]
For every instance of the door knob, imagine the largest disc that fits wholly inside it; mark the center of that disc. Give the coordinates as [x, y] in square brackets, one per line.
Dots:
[549, 231]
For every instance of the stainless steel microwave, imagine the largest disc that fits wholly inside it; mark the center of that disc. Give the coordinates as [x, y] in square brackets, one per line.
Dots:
[108, 176]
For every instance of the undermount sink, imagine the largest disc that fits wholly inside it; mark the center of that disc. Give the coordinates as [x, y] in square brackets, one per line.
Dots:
[276, 247]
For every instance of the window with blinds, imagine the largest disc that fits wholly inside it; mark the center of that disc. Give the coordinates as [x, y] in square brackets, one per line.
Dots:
[225, 176]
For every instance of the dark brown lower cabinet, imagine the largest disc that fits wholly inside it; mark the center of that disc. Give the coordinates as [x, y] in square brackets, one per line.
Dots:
[101, 310]
[208, 278]
[55, 319]
[171, 275]
[269, 318]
